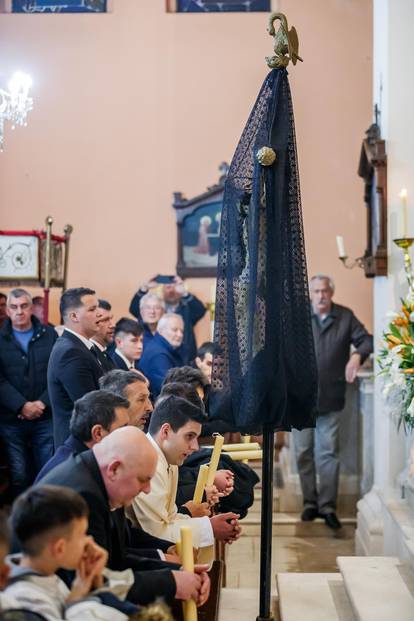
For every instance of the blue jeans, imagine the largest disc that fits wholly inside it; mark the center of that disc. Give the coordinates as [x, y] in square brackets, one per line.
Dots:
[29, 445]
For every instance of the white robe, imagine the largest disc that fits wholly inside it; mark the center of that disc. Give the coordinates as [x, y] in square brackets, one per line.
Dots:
[157, 513]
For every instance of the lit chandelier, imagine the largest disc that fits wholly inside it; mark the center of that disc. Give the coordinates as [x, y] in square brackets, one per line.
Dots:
[15, 103]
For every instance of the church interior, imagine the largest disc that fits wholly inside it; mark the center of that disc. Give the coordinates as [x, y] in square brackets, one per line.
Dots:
[127, 118]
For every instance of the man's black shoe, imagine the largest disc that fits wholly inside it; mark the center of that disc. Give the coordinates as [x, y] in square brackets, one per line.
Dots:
[332, 521]
[309, 514]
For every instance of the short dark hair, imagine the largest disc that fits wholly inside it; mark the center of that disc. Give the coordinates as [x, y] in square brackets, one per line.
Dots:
[4, 528]
[183, 390]
[38, 299]
[3, 295]
[186, 375]
[206, 348]
[128, 326]
[71, 299]
[104, 304]
[175, 411]
[94, 408]
[117, 380]
[41, 511]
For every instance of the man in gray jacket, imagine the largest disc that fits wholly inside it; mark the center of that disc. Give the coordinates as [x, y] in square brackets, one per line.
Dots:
[335, 329]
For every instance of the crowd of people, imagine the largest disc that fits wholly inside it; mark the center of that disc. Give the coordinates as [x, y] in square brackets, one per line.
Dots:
[100, 422]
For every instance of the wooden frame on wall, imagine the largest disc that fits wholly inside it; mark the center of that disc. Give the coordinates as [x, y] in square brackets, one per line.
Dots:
[373, 170]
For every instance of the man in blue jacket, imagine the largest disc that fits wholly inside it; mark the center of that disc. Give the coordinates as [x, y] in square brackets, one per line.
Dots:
[25, 414]
[162, 353]
[176, 299]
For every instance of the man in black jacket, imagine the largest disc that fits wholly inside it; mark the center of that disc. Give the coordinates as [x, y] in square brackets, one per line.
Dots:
[74, 368]
[108, 477]
[25, 415]
[335, 329]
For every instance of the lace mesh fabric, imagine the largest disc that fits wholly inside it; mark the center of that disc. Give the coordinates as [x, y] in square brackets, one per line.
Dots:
[264, 373]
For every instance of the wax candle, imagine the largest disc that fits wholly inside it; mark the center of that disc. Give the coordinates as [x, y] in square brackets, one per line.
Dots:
[403, 196]
[341, 246]
[187, 559]
[214, 459]
[240, 455]
[249, 446]
[201, 483]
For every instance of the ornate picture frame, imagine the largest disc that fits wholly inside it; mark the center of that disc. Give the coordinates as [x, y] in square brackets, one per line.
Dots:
[198, 230]
[373, 170]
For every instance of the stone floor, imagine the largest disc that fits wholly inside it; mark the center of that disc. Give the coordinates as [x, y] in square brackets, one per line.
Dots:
[289, 554]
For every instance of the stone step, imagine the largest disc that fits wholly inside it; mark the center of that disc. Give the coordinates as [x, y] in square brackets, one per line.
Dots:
[380, 588]
[290, 525]
[314, 597]
[242, 604]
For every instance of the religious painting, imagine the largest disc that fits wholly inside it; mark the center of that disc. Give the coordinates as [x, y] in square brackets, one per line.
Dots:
[19, 257]
[198, 230]
[218, 6]
[59, 6]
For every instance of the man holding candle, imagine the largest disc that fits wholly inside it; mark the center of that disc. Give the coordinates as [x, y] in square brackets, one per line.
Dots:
[174, 429]
[335, 328]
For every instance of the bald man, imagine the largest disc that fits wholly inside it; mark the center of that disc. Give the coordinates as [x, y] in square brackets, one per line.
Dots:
[109, 477]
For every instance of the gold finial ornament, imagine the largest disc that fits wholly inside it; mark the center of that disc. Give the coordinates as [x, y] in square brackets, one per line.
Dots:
[286, 46]
[266, 156]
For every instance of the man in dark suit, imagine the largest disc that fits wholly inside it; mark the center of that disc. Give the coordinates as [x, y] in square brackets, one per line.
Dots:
[94, 416]
[335, 329]
[73, 368]
[128, 339]
[109, 476]
[104, 337]
[134, 387]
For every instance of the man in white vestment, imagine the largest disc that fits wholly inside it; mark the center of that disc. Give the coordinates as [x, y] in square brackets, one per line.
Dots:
[174, 429]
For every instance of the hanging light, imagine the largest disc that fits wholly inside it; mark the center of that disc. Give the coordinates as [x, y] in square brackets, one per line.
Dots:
[15, 103]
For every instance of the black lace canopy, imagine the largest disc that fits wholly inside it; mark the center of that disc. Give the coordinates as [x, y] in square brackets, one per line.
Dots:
[264, 371]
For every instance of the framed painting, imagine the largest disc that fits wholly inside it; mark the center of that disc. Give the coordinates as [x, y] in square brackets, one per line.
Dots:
[218, 6]
[59, 6]
[198, 230]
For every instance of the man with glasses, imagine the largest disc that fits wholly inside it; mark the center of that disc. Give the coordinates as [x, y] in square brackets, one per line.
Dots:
[25, 415]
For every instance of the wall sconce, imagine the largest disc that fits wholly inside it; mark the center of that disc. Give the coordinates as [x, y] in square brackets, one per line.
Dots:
[347, 262]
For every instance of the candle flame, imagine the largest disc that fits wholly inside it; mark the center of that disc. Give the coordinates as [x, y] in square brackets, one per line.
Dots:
[403, 193]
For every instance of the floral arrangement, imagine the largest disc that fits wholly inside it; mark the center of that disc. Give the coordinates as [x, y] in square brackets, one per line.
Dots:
[396, 361]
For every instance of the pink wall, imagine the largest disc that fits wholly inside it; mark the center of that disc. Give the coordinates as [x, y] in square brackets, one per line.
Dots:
[136, 104]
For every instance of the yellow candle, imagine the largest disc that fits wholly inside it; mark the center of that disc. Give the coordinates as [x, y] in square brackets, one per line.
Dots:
[403, 196]
[246, 440]
[187, 558]
[240, 455]
[214, 459]
[201, 483]
[248, 446]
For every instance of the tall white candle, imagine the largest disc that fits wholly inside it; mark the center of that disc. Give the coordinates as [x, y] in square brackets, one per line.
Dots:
[341, 246]
[403, 196]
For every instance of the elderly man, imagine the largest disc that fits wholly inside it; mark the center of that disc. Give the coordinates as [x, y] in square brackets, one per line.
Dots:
[163, 351]
[335, 329]
[25, 421]
[132, 386]
[176, 299]
[74, 368]
[109, 477]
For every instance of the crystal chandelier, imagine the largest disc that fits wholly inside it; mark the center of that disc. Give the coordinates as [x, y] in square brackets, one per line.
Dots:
[15, 103]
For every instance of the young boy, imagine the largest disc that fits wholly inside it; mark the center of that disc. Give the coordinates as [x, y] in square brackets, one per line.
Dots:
[128, 339]
[51, 523]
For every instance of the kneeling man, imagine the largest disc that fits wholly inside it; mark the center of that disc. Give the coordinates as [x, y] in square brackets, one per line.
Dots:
[173, 431]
